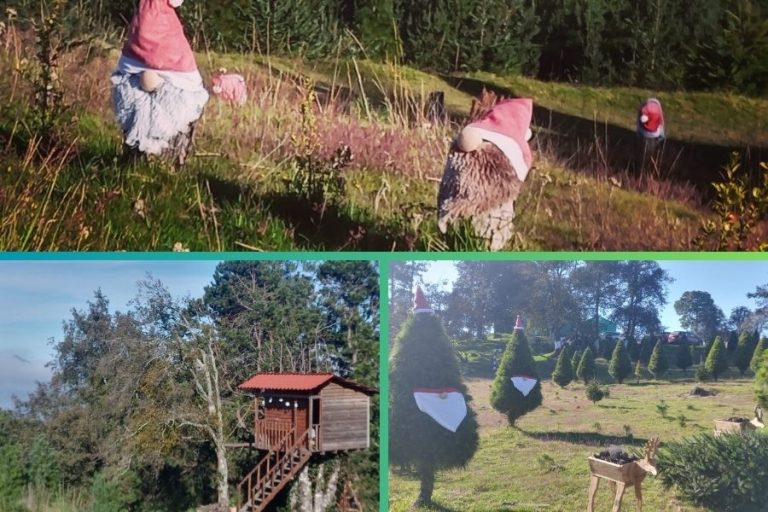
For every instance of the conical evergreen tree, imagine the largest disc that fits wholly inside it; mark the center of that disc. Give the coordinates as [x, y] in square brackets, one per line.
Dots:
[638, 371]
[563, 374]
[762, 345]
[744, 352]
[683, 357]
[717, 362]
[658, 363]
[620, 367]
[575, 360]
[516, 361]
[423, 357]
[586, 369]
[646, 350]
[761, 381]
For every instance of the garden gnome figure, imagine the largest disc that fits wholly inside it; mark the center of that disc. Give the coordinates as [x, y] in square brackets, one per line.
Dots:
[486, 167]
[650, 130]
[650, 120]
[157, 90]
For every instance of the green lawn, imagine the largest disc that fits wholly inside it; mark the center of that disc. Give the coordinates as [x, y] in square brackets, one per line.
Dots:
[541, 463]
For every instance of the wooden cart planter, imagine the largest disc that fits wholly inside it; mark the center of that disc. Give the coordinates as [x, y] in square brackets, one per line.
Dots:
[622, 475]
[732, 427]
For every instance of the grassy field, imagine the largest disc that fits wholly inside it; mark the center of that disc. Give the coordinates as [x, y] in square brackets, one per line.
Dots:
[263, 177]
[541, 463]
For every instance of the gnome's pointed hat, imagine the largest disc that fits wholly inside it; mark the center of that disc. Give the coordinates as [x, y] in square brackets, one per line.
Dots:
[518, 324]
[507, 125]
[156, 38]
[420, 303]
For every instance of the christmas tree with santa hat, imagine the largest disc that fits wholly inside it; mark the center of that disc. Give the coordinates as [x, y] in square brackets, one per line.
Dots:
[431, 426]
[516, 388]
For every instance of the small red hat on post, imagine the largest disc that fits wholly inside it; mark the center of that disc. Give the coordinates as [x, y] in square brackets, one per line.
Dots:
[518, 324]
[420, 303]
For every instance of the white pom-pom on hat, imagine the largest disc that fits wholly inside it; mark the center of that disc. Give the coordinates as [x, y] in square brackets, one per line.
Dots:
[469, 139]
[643, 118]
[175, 3]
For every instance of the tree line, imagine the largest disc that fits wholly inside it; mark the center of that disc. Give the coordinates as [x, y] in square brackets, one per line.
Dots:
[665, 44]
[143, 404]
[559, 299]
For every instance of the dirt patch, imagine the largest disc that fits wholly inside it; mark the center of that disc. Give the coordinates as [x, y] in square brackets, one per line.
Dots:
[699, 391]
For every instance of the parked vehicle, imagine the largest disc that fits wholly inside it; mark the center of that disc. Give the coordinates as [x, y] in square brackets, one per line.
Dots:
[684, 336]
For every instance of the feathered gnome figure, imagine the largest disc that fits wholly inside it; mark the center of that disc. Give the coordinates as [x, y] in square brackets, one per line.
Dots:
[157, 90]
[650, 120]
[487, 164]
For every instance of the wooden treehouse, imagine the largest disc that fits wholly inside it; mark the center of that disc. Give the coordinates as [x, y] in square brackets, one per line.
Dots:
[296, 415]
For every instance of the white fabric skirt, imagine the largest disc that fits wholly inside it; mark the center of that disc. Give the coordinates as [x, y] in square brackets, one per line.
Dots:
[150, 121]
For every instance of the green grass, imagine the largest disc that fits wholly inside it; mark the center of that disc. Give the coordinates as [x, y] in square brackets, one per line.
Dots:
[717, 118]
[541, 464]
[233, 194]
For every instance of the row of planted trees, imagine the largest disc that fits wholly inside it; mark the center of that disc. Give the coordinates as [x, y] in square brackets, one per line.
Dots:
[704, 44]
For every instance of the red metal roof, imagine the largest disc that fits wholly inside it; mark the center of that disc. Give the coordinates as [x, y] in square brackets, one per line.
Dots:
[298, 382]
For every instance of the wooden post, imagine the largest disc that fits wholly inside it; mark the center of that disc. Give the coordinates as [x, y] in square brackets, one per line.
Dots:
[436, 107]
[594, 482]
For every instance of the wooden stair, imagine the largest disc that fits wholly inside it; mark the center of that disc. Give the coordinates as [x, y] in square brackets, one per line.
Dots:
[273, 472]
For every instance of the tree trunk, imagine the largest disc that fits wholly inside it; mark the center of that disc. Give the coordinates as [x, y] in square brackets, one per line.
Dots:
[427, 478]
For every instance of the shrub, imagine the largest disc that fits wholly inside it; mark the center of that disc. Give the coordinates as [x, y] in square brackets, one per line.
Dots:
[118, 495]
[726, 473]
[11, 477]
[702, 374]
[717, 362]
[586, 369]
[594, 393]
[620, 367]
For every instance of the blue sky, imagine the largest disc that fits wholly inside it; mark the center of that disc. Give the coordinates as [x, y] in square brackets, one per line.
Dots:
[728, 282]
[37, 296]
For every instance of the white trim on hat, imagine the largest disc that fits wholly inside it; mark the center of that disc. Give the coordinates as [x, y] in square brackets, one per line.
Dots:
[509, 147]
[187, 80]
[423, 310]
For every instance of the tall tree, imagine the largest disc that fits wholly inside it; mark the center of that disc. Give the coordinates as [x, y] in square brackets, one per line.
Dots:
[642, 291]
[596, 285]
[699, 313]
[739, 318]
[551, 302]
[423, 357]
[516, 362]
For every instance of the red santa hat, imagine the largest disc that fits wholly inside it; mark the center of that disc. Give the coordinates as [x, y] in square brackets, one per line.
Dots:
[518, 324]
[156, 38]
[420, 303]
[507, 125]
[651, 116]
